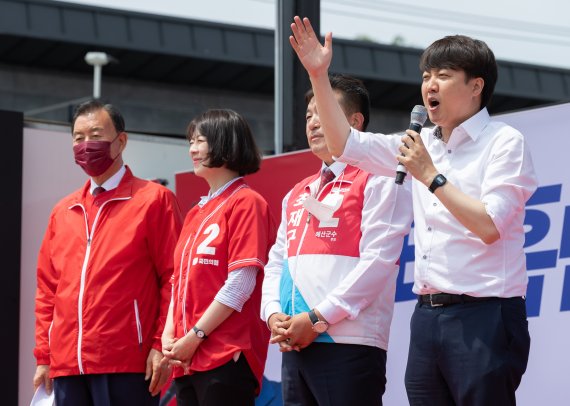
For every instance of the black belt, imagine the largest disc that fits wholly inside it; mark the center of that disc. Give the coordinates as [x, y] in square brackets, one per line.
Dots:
[445, 299]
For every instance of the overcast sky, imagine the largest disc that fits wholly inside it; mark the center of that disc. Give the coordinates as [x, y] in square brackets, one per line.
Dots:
[536, 32]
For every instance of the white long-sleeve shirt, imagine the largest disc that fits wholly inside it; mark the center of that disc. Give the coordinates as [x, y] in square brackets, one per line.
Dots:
[486, 160]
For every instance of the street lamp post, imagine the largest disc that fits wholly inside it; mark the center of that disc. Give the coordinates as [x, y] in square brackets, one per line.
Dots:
[97, 60]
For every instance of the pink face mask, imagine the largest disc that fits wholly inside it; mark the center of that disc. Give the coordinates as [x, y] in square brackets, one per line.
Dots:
[94, 156]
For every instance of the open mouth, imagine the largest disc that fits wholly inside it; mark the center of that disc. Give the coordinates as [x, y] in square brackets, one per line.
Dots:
[433, 103]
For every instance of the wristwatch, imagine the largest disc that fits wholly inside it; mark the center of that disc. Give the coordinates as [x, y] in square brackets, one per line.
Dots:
[319, 326]
[199, 333]
[438, 181]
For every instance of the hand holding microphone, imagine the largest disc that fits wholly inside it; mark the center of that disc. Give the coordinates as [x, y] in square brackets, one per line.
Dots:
[417, 119]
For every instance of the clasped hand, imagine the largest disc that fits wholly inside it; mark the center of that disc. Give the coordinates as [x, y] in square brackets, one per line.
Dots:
[179, 351]
[291, 333]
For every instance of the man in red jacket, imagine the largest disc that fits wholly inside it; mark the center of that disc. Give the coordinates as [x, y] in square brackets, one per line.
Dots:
[103, 277]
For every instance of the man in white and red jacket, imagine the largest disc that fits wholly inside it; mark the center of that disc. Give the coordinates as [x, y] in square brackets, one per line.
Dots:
[328, 292]
[103, 277]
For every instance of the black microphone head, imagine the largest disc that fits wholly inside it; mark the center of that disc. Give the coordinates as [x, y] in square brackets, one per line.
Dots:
[419, 115]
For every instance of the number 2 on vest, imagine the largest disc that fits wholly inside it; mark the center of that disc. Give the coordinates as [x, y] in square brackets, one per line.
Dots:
[212, 231]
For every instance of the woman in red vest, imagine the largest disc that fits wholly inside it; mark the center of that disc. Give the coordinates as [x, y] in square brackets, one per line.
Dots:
[213, 335]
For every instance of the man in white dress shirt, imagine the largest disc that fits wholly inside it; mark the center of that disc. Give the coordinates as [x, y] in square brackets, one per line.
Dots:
[471, 179]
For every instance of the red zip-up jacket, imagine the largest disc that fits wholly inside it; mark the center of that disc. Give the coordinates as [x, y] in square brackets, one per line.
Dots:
[103, 291]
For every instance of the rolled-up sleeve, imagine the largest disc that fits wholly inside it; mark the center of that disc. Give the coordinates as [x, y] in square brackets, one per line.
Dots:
[509, 180]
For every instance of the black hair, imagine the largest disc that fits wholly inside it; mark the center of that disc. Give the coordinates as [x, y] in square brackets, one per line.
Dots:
[355, 97]
[95, 105]
[230, 140]
[460, 52]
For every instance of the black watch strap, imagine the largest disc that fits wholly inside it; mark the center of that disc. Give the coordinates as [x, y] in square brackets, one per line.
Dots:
[438, 181]
[313, 316]
[319, 326]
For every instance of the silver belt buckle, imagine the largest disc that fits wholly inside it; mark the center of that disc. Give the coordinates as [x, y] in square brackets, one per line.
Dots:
[434, 304]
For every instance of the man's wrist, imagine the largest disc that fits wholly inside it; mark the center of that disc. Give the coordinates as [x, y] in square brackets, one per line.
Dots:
[320, 315]
[319, 324]
[438, 181]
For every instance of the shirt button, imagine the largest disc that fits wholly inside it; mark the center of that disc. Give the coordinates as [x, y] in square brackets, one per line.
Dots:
[424, 257]
[449, 151]
[429, 228]
[435, 204]
[425, 286]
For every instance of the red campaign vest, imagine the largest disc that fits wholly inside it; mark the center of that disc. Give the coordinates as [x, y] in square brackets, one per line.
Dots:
[231, 231]
[343, 239]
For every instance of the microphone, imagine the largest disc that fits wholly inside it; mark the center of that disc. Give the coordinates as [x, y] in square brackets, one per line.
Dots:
[417, 119]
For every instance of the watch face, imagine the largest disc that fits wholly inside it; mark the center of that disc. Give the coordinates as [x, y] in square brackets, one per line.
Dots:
[320, 327]
[438, 181]
[200, 334]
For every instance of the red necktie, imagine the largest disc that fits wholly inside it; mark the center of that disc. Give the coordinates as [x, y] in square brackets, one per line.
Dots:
[98, 190]
[326, 176]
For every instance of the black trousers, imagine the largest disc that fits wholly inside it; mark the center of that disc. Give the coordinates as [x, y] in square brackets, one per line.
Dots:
[467, 354]
[327, 374]
[230, 384]
[103, 390]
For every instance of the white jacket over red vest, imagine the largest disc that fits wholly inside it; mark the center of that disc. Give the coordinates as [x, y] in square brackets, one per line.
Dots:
[103, 293]
[347, 266]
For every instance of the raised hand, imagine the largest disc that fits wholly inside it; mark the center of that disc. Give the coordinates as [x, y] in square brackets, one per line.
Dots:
[315, 57]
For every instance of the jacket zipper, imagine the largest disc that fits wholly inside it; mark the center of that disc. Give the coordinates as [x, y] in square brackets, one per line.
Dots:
[180, 283]
[139, 327]
[83, 275]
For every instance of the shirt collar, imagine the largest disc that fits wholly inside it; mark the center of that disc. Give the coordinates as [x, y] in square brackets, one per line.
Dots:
[206, 199]
[473, 126]
[110, 183]
[336, 167]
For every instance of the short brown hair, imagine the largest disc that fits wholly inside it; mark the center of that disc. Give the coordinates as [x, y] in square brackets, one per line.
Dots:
[95, 105]
[355, 97]
[459, 52]
[230, 140]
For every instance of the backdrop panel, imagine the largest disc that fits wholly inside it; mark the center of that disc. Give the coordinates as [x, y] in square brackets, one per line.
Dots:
[49, 173]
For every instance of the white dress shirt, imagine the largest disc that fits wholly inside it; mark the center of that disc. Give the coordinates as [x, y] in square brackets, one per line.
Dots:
[486, 160]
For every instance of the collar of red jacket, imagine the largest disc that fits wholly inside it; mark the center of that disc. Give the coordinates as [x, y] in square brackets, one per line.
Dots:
[123, 190]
